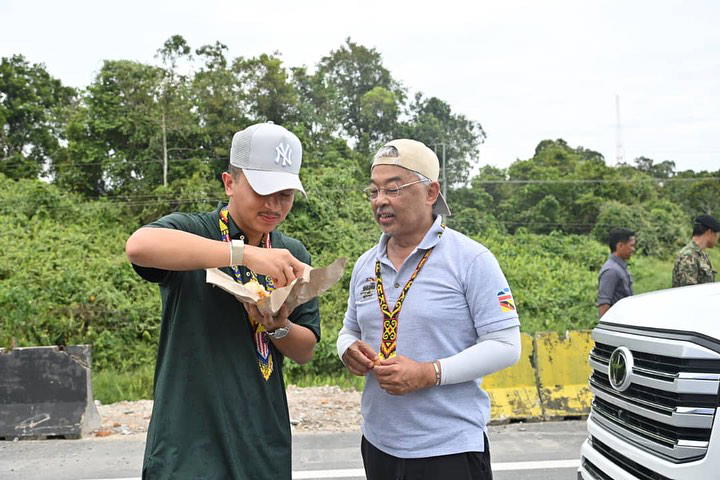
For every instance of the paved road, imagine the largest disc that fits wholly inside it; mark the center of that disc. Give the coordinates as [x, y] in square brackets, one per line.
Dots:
[533, 451]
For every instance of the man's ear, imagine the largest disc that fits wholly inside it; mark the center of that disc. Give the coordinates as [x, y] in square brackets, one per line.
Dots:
[433, 192]
[228, 182]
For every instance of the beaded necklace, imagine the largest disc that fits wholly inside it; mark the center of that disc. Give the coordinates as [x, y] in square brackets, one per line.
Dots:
[263, 346]
[388, 341]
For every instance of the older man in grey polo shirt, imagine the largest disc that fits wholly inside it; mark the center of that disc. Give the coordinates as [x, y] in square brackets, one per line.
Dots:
[429, 314]
[614, 280]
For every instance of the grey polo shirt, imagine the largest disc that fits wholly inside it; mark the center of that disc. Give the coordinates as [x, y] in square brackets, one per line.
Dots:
[459, 295]
[614, 281]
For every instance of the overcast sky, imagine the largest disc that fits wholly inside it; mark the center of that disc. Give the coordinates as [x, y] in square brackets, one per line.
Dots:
[526, 70]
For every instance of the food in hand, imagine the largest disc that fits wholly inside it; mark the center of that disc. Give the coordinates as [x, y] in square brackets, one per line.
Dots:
[257, 288]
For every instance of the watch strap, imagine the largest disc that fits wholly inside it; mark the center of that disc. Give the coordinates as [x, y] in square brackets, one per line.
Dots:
[237, 251]
[280, 332]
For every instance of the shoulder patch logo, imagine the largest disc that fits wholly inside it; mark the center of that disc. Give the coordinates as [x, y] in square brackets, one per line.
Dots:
[284, 155]
[506, 301]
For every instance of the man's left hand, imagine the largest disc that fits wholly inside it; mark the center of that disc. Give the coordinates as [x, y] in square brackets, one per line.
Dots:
[270, 322]
[400, 375]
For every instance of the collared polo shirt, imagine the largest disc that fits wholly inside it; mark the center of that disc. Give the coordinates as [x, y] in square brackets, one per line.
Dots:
[215, 416]
[457, 297]
[614, 281]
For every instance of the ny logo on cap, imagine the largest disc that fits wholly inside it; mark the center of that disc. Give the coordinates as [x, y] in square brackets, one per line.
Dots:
[284, 155]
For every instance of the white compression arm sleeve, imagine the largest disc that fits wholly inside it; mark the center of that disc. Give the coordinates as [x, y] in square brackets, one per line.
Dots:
[492, 352]
[346, 337]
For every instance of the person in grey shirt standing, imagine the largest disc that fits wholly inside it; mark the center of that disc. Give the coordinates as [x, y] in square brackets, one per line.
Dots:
[429, 314]
[614, 280]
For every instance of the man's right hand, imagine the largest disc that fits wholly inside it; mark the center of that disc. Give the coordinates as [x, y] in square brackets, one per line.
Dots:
[359, 358]
[277, 263]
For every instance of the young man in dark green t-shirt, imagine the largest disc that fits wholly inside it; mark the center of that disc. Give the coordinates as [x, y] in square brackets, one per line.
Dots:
[220, 408]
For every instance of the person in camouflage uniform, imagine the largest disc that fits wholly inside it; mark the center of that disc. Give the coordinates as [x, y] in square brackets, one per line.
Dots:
[692, 265]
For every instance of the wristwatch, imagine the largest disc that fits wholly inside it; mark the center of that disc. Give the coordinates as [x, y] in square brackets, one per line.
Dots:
[237, 250]
[280, 332]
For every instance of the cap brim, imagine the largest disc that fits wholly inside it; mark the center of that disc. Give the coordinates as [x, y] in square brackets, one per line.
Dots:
[440, 207]
[266, 183]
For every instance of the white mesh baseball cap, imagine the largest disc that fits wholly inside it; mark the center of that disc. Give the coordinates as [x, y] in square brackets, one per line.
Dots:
[417, 157]
[270, 157]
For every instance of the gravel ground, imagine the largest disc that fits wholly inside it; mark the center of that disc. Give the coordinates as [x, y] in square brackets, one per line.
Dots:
[312, 410]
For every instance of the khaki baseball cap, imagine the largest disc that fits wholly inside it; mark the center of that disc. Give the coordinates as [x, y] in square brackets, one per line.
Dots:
[270, 157]
[417, 157]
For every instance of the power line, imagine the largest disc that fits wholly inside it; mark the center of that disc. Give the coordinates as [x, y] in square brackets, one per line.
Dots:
[147, 162]
[598, 181]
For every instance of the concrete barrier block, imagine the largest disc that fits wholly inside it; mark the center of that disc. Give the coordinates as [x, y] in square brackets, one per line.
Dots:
[513, 391]
[563, 372]
[46, 391]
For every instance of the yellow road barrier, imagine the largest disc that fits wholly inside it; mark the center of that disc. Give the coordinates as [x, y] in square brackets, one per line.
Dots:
[563, 372]
[550, 380]
[513, 391]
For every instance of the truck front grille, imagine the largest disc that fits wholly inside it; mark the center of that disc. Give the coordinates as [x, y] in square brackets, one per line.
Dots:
[623, 462]
[669, 407]
[593, 470]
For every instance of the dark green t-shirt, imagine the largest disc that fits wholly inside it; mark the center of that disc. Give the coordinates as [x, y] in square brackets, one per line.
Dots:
[215, 416]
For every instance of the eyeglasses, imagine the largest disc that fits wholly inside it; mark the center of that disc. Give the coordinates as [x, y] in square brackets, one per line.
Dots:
[393, 190]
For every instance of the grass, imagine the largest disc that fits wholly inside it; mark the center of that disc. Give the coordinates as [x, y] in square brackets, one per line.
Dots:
[650, 273]
[110, 386]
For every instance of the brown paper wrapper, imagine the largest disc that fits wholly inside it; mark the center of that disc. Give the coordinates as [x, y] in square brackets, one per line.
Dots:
[314, 282]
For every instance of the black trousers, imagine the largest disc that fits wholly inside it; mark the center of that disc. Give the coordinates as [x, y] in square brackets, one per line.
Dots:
[460, 466]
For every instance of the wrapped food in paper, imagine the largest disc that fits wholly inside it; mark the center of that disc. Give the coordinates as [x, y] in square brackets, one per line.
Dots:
[313, 282]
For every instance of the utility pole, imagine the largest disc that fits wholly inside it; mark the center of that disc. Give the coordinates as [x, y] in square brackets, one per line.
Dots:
[165, 152]
[444, 176]
[619, 154]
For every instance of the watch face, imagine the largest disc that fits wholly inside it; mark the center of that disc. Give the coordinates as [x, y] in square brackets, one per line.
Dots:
[279, 333]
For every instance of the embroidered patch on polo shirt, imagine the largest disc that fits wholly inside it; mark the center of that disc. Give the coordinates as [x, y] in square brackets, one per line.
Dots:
[505, 298]
[368, 289]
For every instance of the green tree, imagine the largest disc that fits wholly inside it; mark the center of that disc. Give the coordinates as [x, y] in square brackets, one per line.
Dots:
[220, 102]
[173, 104]
[317, 110]
[660, 226]
[85, 173]
[664, 169]
[455, 139]
[351, 72]
[695, 192]
[268, 91]
[577, 179]
[34, 107]
[138, 118]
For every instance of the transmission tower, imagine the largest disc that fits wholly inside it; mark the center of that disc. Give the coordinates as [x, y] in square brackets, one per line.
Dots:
[619, 153]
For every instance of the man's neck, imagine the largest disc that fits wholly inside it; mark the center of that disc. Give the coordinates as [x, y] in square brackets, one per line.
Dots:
[252, 237]
[400, 246]
[255, 240]
[699, 240]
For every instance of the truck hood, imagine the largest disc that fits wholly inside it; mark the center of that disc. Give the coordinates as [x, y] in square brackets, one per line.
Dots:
[687, 309]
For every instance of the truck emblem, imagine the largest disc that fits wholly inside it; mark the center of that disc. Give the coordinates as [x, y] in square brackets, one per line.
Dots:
[620, 368]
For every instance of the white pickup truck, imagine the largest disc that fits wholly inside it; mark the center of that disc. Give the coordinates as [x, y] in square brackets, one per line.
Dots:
[655, 380]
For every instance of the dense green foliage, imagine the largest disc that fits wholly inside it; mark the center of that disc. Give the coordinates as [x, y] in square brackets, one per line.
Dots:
[145, 140]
